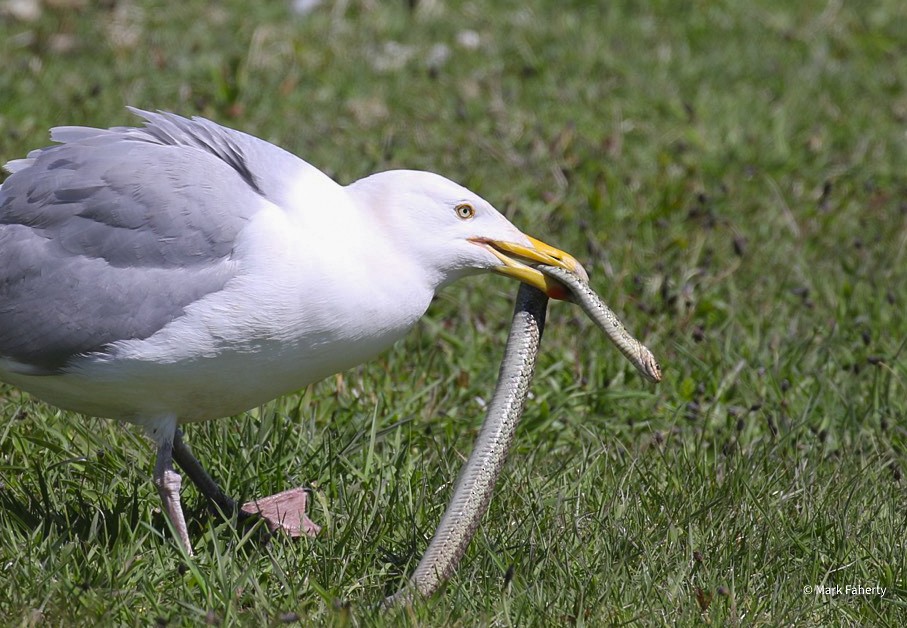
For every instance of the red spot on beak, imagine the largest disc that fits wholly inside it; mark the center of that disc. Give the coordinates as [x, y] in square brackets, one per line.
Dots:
[556, 290]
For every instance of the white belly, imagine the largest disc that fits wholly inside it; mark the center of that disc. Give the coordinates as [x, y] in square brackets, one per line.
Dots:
[195, 389]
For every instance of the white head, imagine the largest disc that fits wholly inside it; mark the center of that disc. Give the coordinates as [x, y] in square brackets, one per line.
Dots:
[452, 232]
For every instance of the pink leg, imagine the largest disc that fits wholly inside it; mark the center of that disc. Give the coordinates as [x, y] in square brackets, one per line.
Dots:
[168, 484]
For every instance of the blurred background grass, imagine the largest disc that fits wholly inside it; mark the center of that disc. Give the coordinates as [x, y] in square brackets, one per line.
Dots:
[733, 175]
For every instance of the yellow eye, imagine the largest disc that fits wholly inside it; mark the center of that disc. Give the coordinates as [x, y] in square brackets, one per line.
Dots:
[465, 211]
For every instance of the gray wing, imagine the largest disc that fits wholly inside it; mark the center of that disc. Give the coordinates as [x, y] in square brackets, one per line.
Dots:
[111, 234]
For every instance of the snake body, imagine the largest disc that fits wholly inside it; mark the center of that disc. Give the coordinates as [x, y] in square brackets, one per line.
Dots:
[635, 351]
[480, 472]
[477, 479]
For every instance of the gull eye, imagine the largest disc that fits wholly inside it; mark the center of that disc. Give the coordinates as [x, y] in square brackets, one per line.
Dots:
[465, 211]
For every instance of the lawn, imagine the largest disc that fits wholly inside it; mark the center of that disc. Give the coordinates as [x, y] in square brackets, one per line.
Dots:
[734, 177]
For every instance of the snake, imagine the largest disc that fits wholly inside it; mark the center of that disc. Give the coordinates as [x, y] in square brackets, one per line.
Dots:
[604, 317]
[477, 479]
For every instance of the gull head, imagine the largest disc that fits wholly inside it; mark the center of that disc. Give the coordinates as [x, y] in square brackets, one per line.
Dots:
[452, 232]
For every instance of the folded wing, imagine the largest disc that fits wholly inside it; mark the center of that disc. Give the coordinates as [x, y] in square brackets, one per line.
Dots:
[112, 233]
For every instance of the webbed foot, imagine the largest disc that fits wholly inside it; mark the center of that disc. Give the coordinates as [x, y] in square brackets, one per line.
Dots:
[285, 511]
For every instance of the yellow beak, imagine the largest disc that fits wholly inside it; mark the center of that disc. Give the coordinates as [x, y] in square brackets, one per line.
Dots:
[513, 256]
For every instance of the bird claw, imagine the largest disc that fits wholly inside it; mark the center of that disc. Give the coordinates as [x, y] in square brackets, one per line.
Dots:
[284, 511]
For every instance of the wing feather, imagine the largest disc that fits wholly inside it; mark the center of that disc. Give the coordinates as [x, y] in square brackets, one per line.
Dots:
[112, 233]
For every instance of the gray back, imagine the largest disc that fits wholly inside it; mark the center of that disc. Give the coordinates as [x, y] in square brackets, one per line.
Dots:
[111, 234]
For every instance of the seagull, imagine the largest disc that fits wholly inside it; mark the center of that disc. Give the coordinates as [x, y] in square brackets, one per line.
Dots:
[183, 271]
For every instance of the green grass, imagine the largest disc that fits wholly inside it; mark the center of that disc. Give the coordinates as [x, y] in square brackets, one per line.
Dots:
[734, 176]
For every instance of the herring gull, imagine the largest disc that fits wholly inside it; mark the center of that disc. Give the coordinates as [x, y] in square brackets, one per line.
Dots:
[183, 271]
